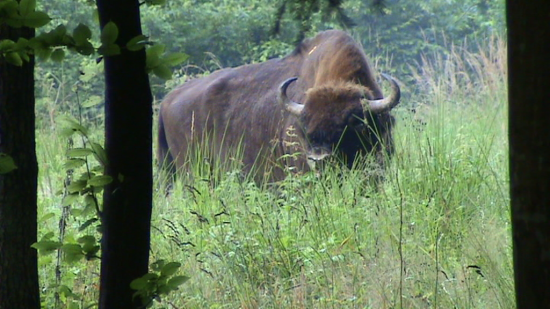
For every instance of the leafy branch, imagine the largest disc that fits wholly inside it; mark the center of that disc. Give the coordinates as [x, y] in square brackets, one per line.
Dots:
[52, 44]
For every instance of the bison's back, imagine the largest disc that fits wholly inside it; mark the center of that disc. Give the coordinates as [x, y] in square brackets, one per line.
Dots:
[229, 109]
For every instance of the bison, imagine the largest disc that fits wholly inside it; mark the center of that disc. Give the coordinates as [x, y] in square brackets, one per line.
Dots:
[320, 101]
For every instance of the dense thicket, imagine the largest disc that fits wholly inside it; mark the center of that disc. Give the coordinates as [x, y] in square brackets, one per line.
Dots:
[221, 33]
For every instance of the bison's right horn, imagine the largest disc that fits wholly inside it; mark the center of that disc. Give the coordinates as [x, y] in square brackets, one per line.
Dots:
[294, 108]
[385, 104]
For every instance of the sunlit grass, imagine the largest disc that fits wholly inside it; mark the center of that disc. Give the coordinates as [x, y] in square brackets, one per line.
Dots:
[434, 234]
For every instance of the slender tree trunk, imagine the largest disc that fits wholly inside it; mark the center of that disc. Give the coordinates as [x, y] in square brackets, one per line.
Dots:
[18, 261]
[128, 123]
[529, 119]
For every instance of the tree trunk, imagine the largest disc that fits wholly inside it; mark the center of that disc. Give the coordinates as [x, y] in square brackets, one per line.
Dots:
[18, 261]
[128, 199]
[529, 125]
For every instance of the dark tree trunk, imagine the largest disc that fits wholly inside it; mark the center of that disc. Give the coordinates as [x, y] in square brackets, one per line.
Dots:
[18, 261]
[529, 125]
[128, 123]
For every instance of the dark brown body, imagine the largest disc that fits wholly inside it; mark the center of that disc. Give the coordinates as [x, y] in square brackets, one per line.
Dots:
[243, 107]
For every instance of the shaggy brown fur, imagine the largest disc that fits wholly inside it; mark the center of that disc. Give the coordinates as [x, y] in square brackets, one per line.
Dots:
[238, 106]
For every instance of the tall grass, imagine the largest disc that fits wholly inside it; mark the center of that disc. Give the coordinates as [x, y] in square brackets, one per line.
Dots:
[434, 234]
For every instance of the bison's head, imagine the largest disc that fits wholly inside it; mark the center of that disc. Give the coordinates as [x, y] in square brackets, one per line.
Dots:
[342, 119]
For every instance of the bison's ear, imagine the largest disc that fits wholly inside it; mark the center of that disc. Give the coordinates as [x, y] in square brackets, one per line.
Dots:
[387, 103]
[294, 108]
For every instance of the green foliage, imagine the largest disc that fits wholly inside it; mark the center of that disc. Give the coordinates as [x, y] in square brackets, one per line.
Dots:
[158, 283]
[137, 43]
[155, 2]
[159, 64]
[46, 244]
[6, 164]
[83, 164]
[22, 14]
[305, 12]
[51, 44]
[399, 35]
[109, 35]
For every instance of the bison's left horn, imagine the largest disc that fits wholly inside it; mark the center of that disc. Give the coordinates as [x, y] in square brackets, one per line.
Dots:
[385, 104]
[293, 107]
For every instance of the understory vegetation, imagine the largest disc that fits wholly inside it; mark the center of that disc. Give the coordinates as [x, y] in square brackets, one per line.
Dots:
[434, 234]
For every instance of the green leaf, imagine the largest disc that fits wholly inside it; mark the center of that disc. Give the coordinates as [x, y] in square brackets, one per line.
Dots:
[58, 55]
[46, 246]
[174, 59]
[14, 21]
[47, 236]
[46, 217]
[9, 8]
[170, 269]
[73, 252]
[138, 284]
[14, 58]
[26, 7]
[109, 50]
[163, 72]
[100, 181]
[43, 54]
[152, 61]
[89, 206]
[95, 16]
[74, 163]
[99, 153]
[109, 34]
[6, 164]
[76, 186]
[81, 34]
[86, 239]
[70, 199]
[78, 152]
[6, 45]
[137, 43]
[85, 49]
[158, 264]
[21, 44]
[91, 252]
[153, 55]
[87, 223]
[24, 56]
[69, 122]
[67, 292]
[86, 176]
[176, 281]
[155, 2]
[92, 100]
[157, 49]
[36, 19]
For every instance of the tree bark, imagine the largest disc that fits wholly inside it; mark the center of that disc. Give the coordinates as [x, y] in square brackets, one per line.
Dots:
[18, 188]
[529, 136]
[128, 199]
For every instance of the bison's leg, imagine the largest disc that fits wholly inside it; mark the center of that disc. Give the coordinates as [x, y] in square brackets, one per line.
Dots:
[166, 164]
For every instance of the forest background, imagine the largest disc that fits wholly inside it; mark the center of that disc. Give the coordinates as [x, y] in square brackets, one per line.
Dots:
[398, 37]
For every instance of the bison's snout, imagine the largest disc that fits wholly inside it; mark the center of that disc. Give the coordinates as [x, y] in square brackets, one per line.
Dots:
[316, 156]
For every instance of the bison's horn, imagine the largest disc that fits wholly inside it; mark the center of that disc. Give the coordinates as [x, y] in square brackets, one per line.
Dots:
[293, 107]
[385, 104]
